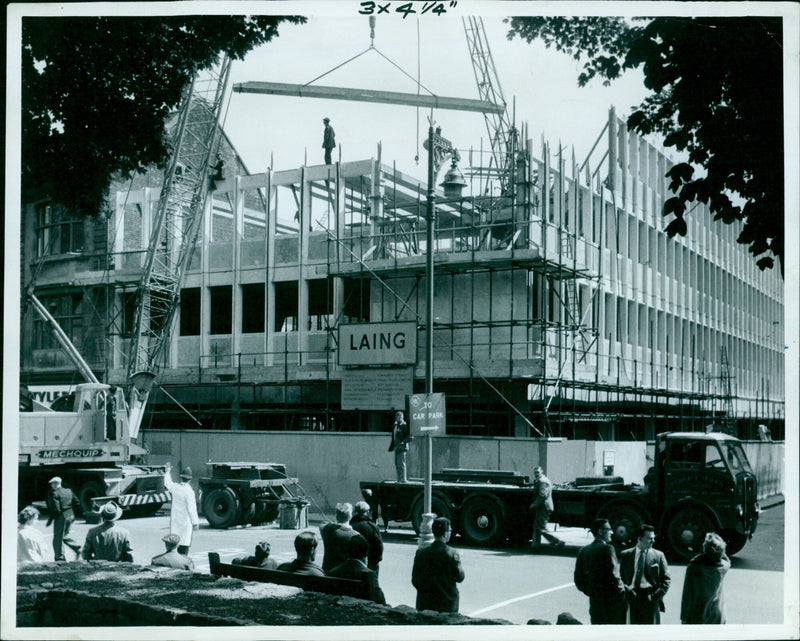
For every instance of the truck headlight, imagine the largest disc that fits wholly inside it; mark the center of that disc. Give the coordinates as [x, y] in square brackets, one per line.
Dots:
[740, 510]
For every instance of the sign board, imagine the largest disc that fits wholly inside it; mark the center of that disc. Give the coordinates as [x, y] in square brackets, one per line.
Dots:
[426, 414]
[378, 344]
[376, 389]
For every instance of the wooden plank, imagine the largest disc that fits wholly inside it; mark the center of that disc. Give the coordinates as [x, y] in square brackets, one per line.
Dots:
[368, 95]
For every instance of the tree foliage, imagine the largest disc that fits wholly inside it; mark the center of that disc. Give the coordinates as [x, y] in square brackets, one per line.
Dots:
[717, 95]
[96, 92]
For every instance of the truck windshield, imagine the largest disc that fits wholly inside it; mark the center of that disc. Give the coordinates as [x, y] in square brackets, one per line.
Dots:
[737, 459]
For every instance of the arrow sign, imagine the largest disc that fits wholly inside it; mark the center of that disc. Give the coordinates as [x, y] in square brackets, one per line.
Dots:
[426, 414]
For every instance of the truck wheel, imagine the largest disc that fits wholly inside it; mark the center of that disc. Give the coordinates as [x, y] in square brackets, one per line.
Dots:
[88, 491]
[482, 521]
[438, 506]
[248, 515]
[734, 541]
[625, 521]
[222, 507]
[686, 531]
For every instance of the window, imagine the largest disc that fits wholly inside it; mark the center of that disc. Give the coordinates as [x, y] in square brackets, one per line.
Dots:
[67, 310]
[320, 304]
[57, 231]
[221, 309]
[286, 299]
[190, 311]
[253, 301]
[129, 301]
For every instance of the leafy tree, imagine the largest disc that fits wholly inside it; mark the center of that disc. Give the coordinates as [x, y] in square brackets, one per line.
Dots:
[717, 95]
[96, 92]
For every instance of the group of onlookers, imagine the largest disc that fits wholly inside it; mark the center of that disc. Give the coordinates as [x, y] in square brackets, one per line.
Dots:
[107, 541]
[632, 587]
[625, 587]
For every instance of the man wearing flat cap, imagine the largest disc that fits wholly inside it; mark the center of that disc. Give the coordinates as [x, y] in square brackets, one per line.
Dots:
[108, 541]
[183, 517]
[172, 558]
[60, 506]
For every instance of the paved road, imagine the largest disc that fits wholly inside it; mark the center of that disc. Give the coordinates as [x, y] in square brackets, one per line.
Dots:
[503, 583]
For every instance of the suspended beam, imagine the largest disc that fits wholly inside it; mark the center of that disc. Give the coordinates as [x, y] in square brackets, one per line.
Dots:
[368, 95]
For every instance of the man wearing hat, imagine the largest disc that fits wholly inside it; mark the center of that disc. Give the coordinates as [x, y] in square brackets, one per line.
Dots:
[172, 558]
[108, 541]
[260, 559]
[183, 515]
[60, 506]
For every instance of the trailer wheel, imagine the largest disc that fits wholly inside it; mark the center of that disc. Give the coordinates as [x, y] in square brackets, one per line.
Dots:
[734, 541]
[625, 521]
[482, 521]
[686, 531]
[88, 491]
[439, 507]
[222, 507]
[248, 515]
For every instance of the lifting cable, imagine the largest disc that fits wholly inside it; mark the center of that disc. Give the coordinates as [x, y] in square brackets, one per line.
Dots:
[368, 49]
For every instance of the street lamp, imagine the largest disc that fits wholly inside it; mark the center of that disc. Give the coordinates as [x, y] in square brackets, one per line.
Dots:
[439, 149]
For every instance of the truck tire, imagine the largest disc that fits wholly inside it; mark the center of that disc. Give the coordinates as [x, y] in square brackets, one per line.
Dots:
[734, 541]
[89, 490]
[221, 507]
[439, 507]
[248, 514]
[265, 512]
[482, 521]
[625, 521]
[686, 530]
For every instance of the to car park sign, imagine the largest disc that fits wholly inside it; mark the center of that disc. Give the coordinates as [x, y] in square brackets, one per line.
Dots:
[426, 414]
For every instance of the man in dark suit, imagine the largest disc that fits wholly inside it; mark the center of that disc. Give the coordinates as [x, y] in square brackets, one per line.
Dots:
[437, 569]
[336, 537]
[60, 506]
[645, 574]
[597, 576]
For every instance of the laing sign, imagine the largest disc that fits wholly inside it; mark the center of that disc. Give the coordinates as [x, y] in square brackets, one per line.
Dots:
[378, 344]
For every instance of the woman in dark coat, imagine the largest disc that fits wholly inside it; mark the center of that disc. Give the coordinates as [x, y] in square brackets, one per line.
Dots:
[702, 600]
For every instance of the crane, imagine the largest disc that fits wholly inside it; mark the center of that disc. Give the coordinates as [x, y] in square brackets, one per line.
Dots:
[88, 437]
[498, 125]
[176, 224]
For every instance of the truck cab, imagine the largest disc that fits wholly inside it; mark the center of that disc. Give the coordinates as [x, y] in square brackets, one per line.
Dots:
[703, 482]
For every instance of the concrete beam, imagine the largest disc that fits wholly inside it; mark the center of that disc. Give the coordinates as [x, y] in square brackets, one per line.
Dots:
[368, 95]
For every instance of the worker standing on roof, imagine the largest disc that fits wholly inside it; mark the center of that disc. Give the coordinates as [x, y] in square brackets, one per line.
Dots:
[328, 140]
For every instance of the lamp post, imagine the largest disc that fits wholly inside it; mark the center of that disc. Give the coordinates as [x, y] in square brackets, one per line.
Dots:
[439, 149]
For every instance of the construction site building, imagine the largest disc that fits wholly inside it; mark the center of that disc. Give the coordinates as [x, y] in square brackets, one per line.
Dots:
[562, 307]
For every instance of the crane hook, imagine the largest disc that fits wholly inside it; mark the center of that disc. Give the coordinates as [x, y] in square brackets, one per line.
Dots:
[372, 31]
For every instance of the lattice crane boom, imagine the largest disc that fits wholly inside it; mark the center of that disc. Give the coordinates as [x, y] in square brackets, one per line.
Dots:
[498, 125]
[176, 225]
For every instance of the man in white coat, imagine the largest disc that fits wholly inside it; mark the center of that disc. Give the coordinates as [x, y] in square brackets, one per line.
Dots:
[183, 515]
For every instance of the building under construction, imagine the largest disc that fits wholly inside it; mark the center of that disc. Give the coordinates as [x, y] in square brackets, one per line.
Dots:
[561, 306]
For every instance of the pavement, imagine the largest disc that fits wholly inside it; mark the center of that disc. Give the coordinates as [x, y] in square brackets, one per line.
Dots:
[771, 501]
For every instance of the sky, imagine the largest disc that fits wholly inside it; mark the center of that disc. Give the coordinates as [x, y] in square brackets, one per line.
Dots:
[539, 86]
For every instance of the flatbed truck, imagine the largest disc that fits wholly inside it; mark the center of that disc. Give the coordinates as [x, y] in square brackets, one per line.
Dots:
[700, 482]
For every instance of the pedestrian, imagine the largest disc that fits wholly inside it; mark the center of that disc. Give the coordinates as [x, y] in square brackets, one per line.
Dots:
[260, 559]
[366, 527]
[172, 558]
[646, 576]
[542, 508]
[305, 544]
[61, 504]
[401, 437]
[183, 517]
[335, 537]
[702, 600]
[108, 541]
[355, 568]
[328, 140]
[597, 576]
[437, 569]
[32, 546]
